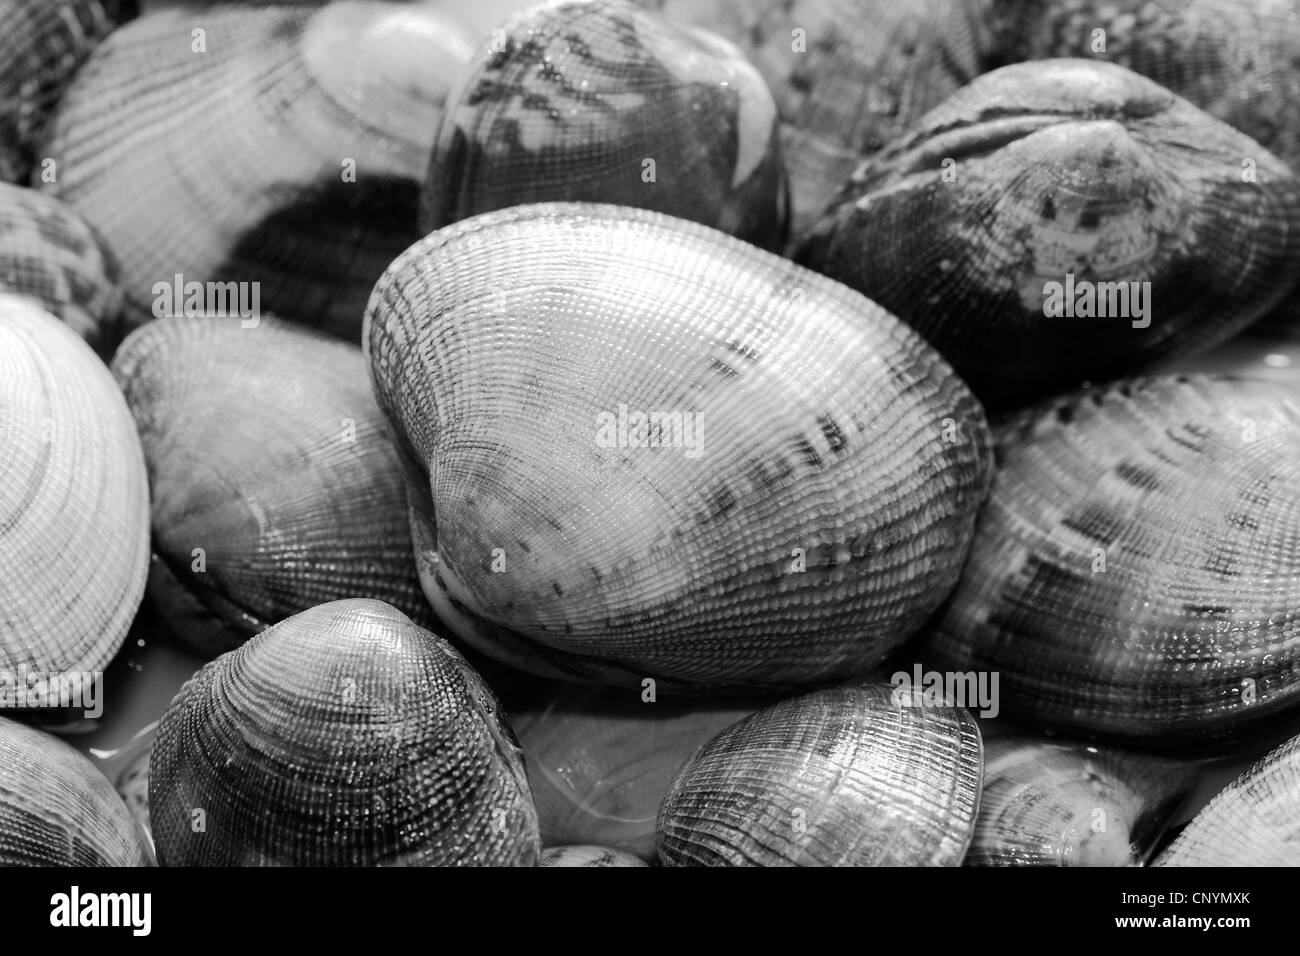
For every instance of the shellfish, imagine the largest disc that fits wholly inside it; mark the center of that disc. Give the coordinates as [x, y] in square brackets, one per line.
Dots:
[57, 809]
[747, 475]
[599, 101]
[1061, 221]
[1062, 804]
[74, 507]
[1136, 569]
[588, 856]
[840, 777]
[289, 164]
[344, 735]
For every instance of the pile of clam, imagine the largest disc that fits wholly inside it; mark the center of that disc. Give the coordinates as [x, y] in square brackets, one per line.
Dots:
[677, 432]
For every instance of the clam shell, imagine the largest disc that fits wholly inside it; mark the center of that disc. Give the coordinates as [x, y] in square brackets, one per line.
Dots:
[588, 856]
[1136, 570]
[344, 735]
[821, 435]
[840, 777]
[133, 787]
[288, 156]
[74, 507]
[57, 809]
[600, 761]
[275, 486]
[49, 252]
[599, 101]
[1005, 226]
[1067, 804]
[1254, 822]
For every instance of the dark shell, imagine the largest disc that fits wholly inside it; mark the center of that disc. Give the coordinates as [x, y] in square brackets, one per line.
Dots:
[572, 101]
[1037, 183]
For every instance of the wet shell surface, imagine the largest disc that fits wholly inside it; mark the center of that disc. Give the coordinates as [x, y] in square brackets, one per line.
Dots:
[791, 501]
[1066, 804]
[274, 484]
[41, 47]
[1061, 221]
[57, 809]
[74, 506]
[49, 252]
[284, 146]
[1254, 822]
[1136, 571]
[588, 856]
[599, 101]
[600, 761]
[345, 735]
[840, 777]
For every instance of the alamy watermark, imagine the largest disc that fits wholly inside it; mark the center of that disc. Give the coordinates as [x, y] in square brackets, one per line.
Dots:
[974, 690]
[1084, 299]
[29, 689]
[631, 428]
[220, 299]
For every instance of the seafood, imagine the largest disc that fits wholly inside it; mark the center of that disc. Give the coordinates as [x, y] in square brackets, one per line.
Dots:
[588, 856]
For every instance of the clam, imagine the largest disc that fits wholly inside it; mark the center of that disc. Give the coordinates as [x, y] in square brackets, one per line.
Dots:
[640, 449]
[49, 252]
[1254, 822]
[275, 486]
[588, 856]
[599, 101]
[1046, 803]
[839, 777]
[74, 508]
[1061, 221]
[1136, 569]
[43, 44]
[601, 760]
[344, 735]
[283, 145]
[57, 809]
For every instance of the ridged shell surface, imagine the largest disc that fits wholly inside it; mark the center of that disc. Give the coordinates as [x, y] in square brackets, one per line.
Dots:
[57, 809]
[274, 484]
[600, 101]
[841, 777]
[343, 736]
[74, 499]
[1064, 221]
[1254, 822]
[1136, 571]
[1065, 804]
[282, 146]
[793, 501]
[583, 856]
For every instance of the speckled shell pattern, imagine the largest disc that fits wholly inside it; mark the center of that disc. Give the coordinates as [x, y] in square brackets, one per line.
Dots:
[274, 484]
[74, 507]
[57, 809]
[293, 159]
[42, 45]
[839, 777]
[345, 735]
[1254, 822]
[1134, 574]
[1048, 803]
[814, 431]
[1072, 173]
[49, 252]
[599, 101]
[583, 856]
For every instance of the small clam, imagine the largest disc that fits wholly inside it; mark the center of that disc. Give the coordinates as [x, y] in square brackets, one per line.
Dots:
[640, 449]
[291, 164]
[588, 856]
[57, 809]
[1254, 822]
[1063, 804]
[599, 101]
[1065, 220]
[49, 252]
[840, 777]
[344, 735]
[275, 485]
[74, 499]
[1136, 570]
